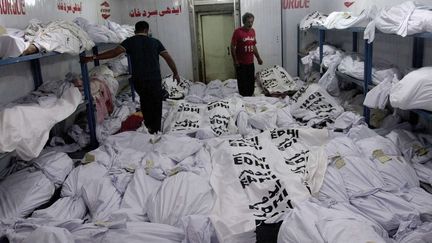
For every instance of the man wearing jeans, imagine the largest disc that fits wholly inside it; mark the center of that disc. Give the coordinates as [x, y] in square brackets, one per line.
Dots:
[243, 49]
[144, 52]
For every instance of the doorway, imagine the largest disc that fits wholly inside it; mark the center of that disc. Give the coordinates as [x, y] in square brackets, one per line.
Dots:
[212, 26]
[215, 31]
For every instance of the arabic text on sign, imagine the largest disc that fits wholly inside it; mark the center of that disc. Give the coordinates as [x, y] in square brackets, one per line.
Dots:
[70, 7]
[136, 12]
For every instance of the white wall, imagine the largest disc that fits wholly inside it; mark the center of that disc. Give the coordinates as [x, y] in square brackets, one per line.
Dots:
[16, 80]
[47, 10]
[172, 30]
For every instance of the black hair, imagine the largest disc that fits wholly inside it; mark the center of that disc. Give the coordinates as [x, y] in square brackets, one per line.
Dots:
[247, 16]
[141, 26]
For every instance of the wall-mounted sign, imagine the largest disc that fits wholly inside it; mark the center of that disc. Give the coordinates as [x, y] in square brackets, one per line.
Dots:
[149, 13]
[105, 10]
[348, 4]
[12, 7]
[295, 4]
[69, 7]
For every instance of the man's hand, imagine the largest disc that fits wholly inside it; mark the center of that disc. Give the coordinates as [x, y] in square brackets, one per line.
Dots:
[260, 62]
[86, 59]
[236, 64]
[176, 77]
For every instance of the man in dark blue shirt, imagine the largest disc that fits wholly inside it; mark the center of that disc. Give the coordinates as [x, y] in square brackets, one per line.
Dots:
[144, 53]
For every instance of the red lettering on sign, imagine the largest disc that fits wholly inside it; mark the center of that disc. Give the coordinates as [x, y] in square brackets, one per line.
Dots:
[348, 4]
[295, 4]
[12, 7]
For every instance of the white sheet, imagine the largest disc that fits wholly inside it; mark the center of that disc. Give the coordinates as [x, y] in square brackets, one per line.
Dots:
[64, 37]
[414, 91]
[180, 195]
[12, 46]
[404, 19]
[25, 128]
[24, 191]
[314, 106]
[276, 80]
[252, 182]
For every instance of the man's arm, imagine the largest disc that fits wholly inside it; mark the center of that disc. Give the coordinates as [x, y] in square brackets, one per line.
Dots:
[233, 54]
[255, 51]
[171, 64]
[106, 55]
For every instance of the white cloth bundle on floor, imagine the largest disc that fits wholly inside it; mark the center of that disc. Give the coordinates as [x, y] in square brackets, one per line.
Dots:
[176, 90]
[64, 37]
[407, 18]
[24, 191]
[112, 124]
[101, 198]
[184, 147]
[49, 234]
[229, 88]
[421, 234]
[138, 232]
[213, 91]
[347, 120]
[252, 182]
[416, 151]
[303, 153]
[20, 125]
[71, 204]
[261, 114]
[198, 228]
[196, 92]
[56, 166]
[27, 189]
[35, 229]
[364, 186]
[63, 208]
[395, 170]
[314, 106]
[132, 140]
[312, 222]
[209, 120]
[133, 206]
[276, 81]
[158, 166]
[414, 91]
[180, 195]
[97, 33]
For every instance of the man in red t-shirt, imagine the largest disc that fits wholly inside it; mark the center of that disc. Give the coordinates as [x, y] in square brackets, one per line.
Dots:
[243, 49]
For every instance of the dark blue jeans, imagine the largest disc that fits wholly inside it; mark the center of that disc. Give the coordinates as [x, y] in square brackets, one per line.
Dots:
[246, 79]
[150, 92]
